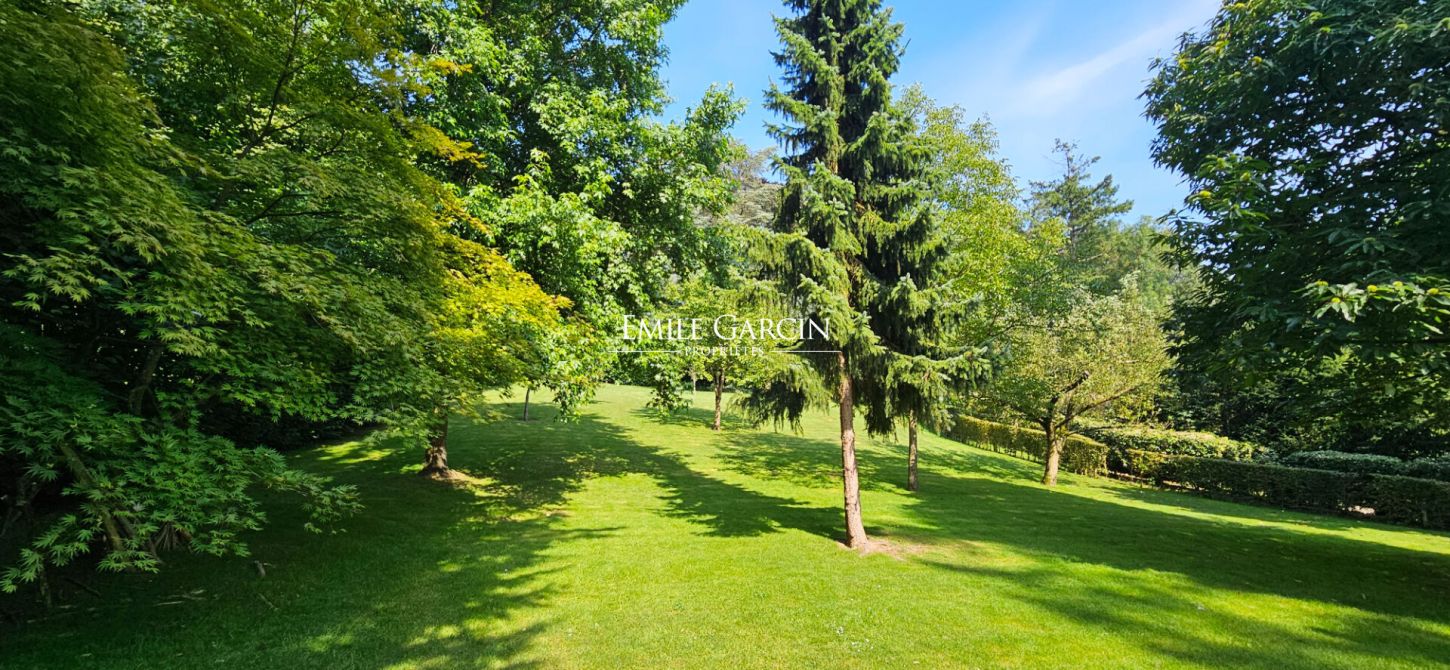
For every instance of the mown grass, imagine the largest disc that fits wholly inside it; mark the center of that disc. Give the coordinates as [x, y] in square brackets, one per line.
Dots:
[623, 541]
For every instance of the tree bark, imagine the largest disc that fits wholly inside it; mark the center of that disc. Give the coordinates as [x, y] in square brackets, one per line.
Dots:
[83, 476]
[719, 392]
[435, 462]
[136, 399]
[911, 483]
[855, 530]
[527, 391]
[1054, 456]
[44, 583]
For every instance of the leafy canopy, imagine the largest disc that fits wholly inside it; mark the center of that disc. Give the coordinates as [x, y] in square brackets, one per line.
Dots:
[1103, 350]
[1313, 138]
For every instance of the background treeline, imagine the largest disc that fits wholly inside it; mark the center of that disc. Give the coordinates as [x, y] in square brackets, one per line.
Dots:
[229, 223]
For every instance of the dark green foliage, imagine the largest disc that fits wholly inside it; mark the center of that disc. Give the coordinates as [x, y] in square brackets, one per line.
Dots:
[1104, 351]
[1272, 484]
[1098, 251]
[855, 244]
[1138, 250]
[1341, 461]
[1173, 442]
[782, 393]
[1086, 209]
[1303, 407]
[544, 120]
[147, 278]
[1313, 137]
[1407, 500]
[1432, 467]
[1134, 463]
[283, 212]
[1079, 454]
[732, 287]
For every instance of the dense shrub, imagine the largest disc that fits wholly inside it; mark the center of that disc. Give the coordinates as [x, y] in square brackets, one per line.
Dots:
[1343, 461]
[1301, 488]
[1174, 442]
[1079, 454]
[1408, 500]
[1135, 462]
[1430, 467]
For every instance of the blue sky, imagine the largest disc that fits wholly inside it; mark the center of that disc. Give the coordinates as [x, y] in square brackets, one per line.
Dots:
[1038, 69]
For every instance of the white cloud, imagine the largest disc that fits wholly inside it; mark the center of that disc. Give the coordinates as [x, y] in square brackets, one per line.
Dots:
[1049, 93]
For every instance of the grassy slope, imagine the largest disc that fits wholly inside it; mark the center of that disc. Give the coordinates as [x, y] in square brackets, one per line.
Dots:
[620, 541]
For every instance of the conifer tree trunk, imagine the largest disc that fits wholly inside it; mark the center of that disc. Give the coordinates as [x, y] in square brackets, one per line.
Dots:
[719, 393]
[855, 531]
[911, 484]
[435, 462]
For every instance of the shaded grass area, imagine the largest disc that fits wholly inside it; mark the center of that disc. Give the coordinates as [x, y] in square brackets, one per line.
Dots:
[620, 540]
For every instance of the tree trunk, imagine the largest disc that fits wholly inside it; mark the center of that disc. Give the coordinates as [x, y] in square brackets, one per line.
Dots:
[911, 484]
[45, 597]
[83, 477]
[527, 391]
[855, 531]
[136, 399]
[719, 392]
[435, 462]
[1054, 456]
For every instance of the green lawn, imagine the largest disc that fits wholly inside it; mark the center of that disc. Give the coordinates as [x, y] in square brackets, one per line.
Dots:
[621, 541]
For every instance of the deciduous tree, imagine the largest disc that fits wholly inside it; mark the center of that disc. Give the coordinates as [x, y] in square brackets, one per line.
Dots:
[1104, 349]
[1313, 139]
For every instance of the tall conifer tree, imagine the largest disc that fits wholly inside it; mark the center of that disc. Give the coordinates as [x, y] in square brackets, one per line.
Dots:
[852, 235]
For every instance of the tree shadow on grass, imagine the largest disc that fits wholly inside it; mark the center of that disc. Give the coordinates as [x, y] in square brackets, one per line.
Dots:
[693, 416]
[552, 459]
[881, 461]
[980, 497]
[807, 462]
[438, 576]
[1253, 511]
[983, 498]
[950, 457]
[1163, 621]
[428, 575]
[1217, 553]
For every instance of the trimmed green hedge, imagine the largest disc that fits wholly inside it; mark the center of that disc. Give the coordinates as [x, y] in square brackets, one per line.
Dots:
[1135, 462]
[1434, 467]
[1343, 461]
[1300, 488]
[1176, 442]
[1408, 500]
[1431, 467]
[1405, 500]
[1079, 454]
